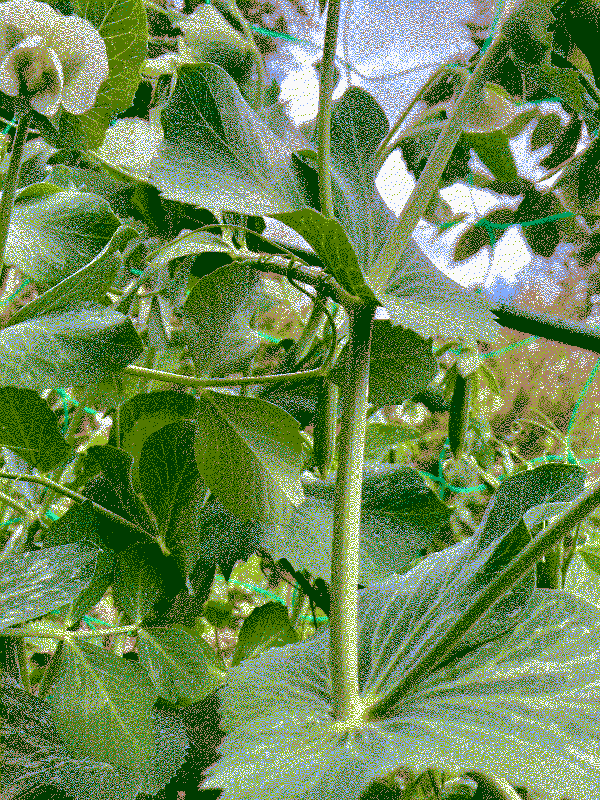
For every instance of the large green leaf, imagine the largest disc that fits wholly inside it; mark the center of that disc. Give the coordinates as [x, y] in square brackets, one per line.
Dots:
[250, 455]
[523, 706]
[517, 696]
[218, 153]
[102, 705]
[54, 232]
[71, 348]
[40, 582]
[35, 757]
[400, 517]
[216, 318]
[87, 284]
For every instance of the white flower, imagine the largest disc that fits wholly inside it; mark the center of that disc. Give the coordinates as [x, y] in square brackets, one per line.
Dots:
[49, 59]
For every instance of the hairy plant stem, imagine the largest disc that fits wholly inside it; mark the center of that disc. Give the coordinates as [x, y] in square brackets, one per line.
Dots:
[326, 84]
[482, 602]
[345, 550]
[9, 188]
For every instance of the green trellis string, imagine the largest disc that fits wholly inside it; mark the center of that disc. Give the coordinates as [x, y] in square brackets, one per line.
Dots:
[489, 226]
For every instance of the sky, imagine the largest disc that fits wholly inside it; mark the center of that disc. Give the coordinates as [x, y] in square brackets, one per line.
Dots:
[378, 38]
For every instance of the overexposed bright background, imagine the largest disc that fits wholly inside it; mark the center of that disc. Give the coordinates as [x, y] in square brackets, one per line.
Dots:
[380, 37]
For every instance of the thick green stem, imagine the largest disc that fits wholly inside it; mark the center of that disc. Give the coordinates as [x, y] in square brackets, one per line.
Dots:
[482, 602]
[9, 189]
[345, 555]
[326, 85]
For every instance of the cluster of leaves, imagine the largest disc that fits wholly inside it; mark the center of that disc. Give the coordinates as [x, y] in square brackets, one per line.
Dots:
[184, 486]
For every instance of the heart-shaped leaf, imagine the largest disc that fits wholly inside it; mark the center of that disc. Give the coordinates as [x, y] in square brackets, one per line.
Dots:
[216, 318]
[402, 365]
[250, 455]
[30, 429]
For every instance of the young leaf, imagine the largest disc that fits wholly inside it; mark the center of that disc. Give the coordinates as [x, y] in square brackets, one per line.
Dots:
[267, 626]
[74, 347]
[176, 664]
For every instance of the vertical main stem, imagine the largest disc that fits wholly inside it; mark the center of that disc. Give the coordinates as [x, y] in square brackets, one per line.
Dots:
[9, 189]
[345, 550]
[324, 116]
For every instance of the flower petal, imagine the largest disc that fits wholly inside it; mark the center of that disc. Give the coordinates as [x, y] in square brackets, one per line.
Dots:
[82, 52]
[35, 71]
